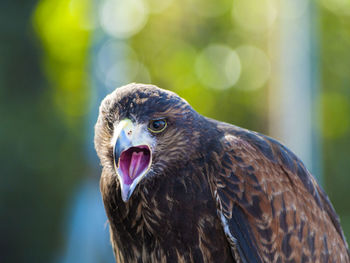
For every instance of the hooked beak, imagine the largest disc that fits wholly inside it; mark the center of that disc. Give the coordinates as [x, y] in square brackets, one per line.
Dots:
[132, 157]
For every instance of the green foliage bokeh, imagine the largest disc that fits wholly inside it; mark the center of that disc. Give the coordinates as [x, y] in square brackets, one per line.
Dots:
[46, 93]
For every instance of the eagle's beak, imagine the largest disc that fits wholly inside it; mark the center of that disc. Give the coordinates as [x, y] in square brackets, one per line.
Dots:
[132, 156]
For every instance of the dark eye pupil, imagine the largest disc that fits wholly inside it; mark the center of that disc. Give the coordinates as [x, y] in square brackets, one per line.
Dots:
[158, 124]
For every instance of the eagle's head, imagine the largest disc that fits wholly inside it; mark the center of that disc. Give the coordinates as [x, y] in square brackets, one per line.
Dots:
[143, 132]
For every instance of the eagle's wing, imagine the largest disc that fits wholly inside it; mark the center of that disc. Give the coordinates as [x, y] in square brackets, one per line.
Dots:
[271, 208]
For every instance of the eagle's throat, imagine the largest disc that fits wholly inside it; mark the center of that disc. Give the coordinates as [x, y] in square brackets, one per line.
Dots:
[133, 162]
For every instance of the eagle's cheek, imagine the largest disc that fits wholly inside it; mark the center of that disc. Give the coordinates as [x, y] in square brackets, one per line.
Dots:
[132, 156]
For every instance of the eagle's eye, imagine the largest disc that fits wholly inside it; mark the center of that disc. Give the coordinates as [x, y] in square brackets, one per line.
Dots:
[157, 126]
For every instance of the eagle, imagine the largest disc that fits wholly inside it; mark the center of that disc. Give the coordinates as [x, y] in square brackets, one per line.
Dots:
[181, 187]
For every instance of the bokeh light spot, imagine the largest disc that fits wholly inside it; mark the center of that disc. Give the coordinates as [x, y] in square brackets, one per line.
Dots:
[218, 66]
[124, 72]
[142, 74]
[118, 64]
[111, 52]
[123, 19]
[256, 67]
[254, 15]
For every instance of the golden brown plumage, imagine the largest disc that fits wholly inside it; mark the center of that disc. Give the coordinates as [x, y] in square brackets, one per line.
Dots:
[263, 187]
[213, 192]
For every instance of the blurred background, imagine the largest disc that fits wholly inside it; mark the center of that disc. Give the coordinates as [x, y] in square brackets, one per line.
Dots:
[280, 67]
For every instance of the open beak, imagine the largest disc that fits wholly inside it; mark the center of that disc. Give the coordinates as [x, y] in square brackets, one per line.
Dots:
[132, 156]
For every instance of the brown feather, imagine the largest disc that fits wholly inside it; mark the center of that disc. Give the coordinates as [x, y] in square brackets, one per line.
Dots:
[215, 192]
[290, 217]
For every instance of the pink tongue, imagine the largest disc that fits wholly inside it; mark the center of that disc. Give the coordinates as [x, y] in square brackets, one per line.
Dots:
[133, 162]
[135, 167]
